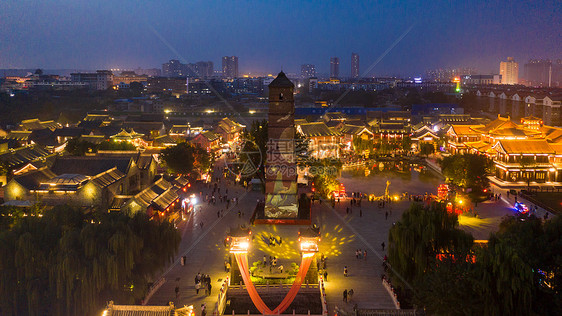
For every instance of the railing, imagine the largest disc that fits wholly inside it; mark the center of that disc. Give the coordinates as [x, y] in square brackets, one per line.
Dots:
[323, 300]
[387, 312]
[221, 302]
[391, 292]
[268, 288]
[152, 289]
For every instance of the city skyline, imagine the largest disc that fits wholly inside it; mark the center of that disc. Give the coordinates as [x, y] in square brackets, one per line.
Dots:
[147, 35]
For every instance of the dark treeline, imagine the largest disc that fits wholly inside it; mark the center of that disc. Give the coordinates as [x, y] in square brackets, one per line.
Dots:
[69, 263]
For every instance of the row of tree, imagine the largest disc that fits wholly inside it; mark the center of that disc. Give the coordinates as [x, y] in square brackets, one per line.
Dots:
[68, 263]
[78, 147]
[518, 272]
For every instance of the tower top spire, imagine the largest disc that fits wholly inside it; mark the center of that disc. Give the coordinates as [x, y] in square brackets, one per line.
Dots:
[281, 81]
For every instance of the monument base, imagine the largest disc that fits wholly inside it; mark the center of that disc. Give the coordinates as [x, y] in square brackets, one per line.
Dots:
[303, 217]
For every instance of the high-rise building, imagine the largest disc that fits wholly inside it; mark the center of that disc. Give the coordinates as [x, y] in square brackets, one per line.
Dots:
[334, 67]
[230, 66]
[308, 71]
[354, 65]
[509, 70]
[174, 68]
[538, 72]
[204, 69]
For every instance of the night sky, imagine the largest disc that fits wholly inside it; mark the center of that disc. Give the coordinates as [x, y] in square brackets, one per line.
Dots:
[270, 35]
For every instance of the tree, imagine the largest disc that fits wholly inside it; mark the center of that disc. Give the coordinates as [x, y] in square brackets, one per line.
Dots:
[426, 149]
[77, 147]
[467, 170]
[421, 234]
[324, 174]
[113, 145]
[70, 263]
[518, 272]
[179, 159]
[406, 144]
[136, 88]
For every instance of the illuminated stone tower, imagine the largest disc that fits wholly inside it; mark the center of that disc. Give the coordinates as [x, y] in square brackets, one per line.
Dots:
[281, 200]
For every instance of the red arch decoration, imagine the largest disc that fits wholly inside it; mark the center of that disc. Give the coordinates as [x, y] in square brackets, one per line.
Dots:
[242, 260]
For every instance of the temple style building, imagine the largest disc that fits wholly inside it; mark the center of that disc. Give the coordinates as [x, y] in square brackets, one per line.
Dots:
[522, 152]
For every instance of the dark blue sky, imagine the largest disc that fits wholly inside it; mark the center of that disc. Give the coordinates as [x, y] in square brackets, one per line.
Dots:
[268, 35]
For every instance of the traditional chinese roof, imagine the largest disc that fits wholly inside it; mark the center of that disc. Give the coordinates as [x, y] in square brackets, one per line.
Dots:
[124, 135]
[108, 177]
[19, 135]
[90, 165]
[34, 124]
[179, 129]
[300, 121]
[32, 180]
[391, 127]
[461, 130]
[422, 132]
[210, 136]
[523, 146]
[514, 132]
[24, 155]
[480, 146]
[96, 117]
[499, 123]
[557, 147]
[161, 194]
[354, 130]
[229, 126]
[317, 129]
[94, 139]
[67, 178]
[338, 116]
[164, 140]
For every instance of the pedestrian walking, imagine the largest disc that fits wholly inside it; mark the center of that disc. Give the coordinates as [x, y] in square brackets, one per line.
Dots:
[382, 245]
[209, 289]
[345, 295]
[325, 275]
[386, 215]
[345, 271]
[365, 254]
[264, 260]
[350, 295]
[177, 291]
[197, 288]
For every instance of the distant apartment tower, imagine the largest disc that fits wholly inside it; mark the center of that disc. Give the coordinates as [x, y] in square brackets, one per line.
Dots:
[230, 66]
[509, 70]
[308, 71]
[204, 69]
[99, 80]
[174, 68]
[334, 67]
[354, 65]
[539, 72]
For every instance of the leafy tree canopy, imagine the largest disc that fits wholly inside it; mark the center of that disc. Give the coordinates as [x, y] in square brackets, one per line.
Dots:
[467, 170]
[184, 158]
[69, 263]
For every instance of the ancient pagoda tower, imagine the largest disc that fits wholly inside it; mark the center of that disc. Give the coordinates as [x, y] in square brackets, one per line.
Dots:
[281, 201]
